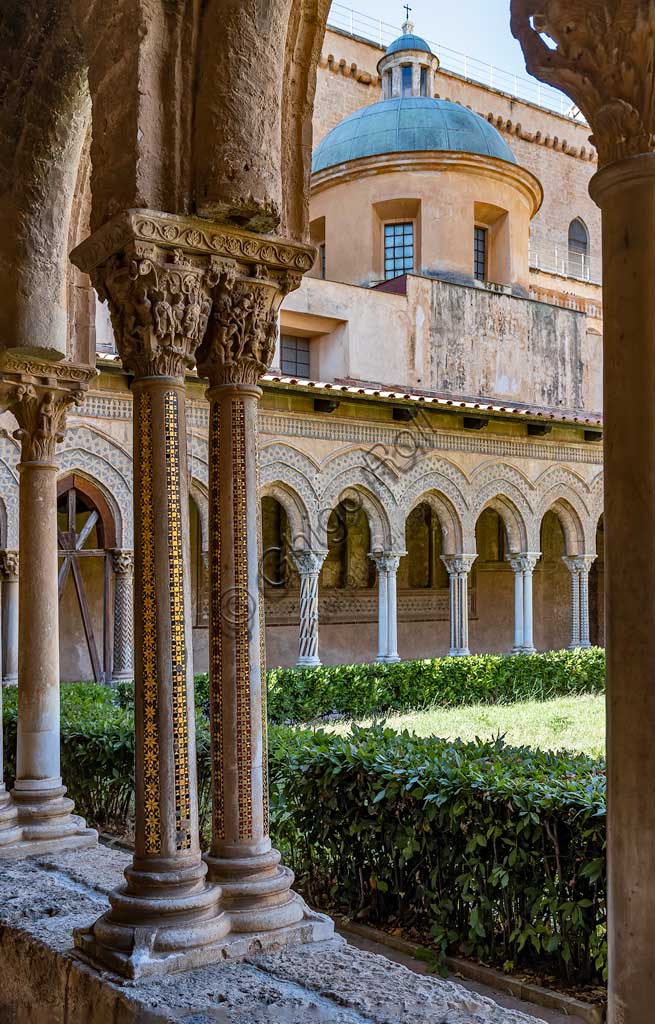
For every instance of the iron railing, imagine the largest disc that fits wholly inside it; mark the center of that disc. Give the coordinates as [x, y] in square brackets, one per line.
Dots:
[564, 262]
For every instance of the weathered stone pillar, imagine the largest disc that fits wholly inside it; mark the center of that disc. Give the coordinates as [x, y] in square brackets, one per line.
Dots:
[9, 563]
[579, 566]
[239, 345]
[387, 568]
[601, 55]
[459, 567]
[158, 286]
[309, 565]
[38, 395]
[523, 565]
[123, 564]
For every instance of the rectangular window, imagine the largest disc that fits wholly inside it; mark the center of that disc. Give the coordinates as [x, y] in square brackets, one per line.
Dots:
[295, 356]
[424, 81]
[321, 260]
[398, 249]
[406, 89]
[480, 254]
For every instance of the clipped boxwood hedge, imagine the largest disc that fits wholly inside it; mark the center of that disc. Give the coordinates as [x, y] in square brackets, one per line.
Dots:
[497, 852]
[361, 691]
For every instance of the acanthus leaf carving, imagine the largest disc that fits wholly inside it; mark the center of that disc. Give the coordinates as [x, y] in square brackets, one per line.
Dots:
[40, 410]
[603, 60]
[9, 562]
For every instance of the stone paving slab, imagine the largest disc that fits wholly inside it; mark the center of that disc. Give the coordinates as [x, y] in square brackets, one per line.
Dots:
[43, 899]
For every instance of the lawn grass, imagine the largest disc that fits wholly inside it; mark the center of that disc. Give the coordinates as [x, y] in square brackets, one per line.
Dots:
[567, 723]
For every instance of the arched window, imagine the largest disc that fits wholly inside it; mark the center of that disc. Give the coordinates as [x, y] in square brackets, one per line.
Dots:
[578, 258]
[578, 237]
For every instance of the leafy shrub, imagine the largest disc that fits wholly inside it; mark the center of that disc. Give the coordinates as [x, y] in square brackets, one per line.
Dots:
[358, 691]
[498, 852]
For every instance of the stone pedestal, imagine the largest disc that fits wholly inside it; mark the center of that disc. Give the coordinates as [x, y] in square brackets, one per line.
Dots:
[309, 565]
[39, 398]
[459, 567]
[9, 563]
[523, 565]
[387, 569]
[123, 565]
[238, 348]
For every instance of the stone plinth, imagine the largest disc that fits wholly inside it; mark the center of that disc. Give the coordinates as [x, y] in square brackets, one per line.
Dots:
[327, 983]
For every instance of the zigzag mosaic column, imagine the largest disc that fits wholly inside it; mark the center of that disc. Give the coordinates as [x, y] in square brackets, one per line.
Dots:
[579, 566]
[123, 564]
[459, 567]
[166, 916]
[239, 346]
[9, 565]
[309, 564]
[39, 395]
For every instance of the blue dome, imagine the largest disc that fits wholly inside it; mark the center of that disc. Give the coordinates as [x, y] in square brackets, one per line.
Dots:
[408, 42]
[407, 125]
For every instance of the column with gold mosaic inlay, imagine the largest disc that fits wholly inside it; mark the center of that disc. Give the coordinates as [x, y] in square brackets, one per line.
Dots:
[167, 915]
[237, 350]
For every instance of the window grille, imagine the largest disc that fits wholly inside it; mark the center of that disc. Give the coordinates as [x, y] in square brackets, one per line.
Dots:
[480, 254]
[398, 249]
[295, 356]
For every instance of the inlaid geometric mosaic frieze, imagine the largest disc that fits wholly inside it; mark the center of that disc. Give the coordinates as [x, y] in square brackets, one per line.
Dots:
[178, 638]
[216, 631]
[241, 624]
[149, 641]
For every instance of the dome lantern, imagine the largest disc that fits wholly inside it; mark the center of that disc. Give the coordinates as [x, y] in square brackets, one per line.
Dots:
[408, 66]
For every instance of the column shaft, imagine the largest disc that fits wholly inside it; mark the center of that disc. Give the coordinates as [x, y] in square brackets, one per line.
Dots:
[392, 616]
[518, 609]
[123, 667]
[383, 615]
[459, 567]
[584, 608]
[309, 565]
[625, 190]
[9, 574]
[528, 638]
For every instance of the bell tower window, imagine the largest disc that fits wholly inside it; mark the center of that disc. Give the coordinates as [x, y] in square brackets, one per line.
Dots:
[406, 80]
[424, 81]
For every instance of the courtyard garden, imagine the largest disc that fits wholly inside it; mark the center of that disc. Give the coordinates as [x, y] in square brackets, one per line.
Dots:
[459, 801]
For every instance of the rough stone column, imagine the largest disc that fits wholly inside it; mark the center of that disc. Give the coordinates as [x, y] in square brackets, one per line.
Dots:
[158, 286]
[459, 567]
[39, 394]
[123, 564]
[387, 567]
[601, 55]
[573, 565]
[9, 563]
[238, 348]
[309, 565]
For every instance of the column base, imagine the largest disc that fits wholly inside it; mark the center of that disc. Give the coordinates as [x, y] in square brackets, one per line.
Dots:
[10, 680]
[308, 662]
[46, 823]
[388, 659]
[459, 652]
[151, 956]
[10, 832]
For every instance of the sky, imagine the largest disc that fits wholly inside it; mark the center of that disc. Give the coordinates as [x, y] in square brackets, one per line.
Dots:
[478, 28]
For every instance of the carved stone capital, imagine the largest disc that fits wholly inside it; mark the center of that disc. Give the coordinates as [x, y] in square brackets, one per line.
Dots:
[308, 563]
[578, 565]
[524, 561]
[123, 562]
[39, 396]
[170, 280]
[386, 561]
[603, 60]
[9, 562]
[458, 564]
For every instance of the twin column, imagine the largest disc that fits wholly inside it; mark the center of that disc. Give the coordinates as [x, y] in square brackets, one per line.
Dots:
[459, 567]
[308, 564]
[387, 567]
[579, 567]
[523, 567]
[181, 291]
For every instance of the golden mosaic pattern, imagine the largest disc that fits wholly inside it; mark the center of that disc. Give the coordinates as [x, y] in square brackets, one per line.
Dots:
[262, 657]
[178, 638]
[241, 624]
[152, 826]
[215, 626]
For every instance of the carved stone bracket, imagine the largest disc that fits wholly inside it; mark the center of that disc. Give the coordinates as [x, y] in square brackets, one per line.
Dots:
[603, 60]
[39, 395]
[177, 285]
[9, 562]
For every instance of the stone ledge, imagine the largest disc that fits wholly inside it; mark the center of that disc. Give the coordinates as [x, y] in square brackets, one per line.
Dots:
[42, 900]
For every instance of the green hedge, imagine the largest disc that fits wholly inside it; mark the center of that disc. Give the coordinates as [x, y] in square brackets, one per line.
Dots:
[360, 691]
[498, 852]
